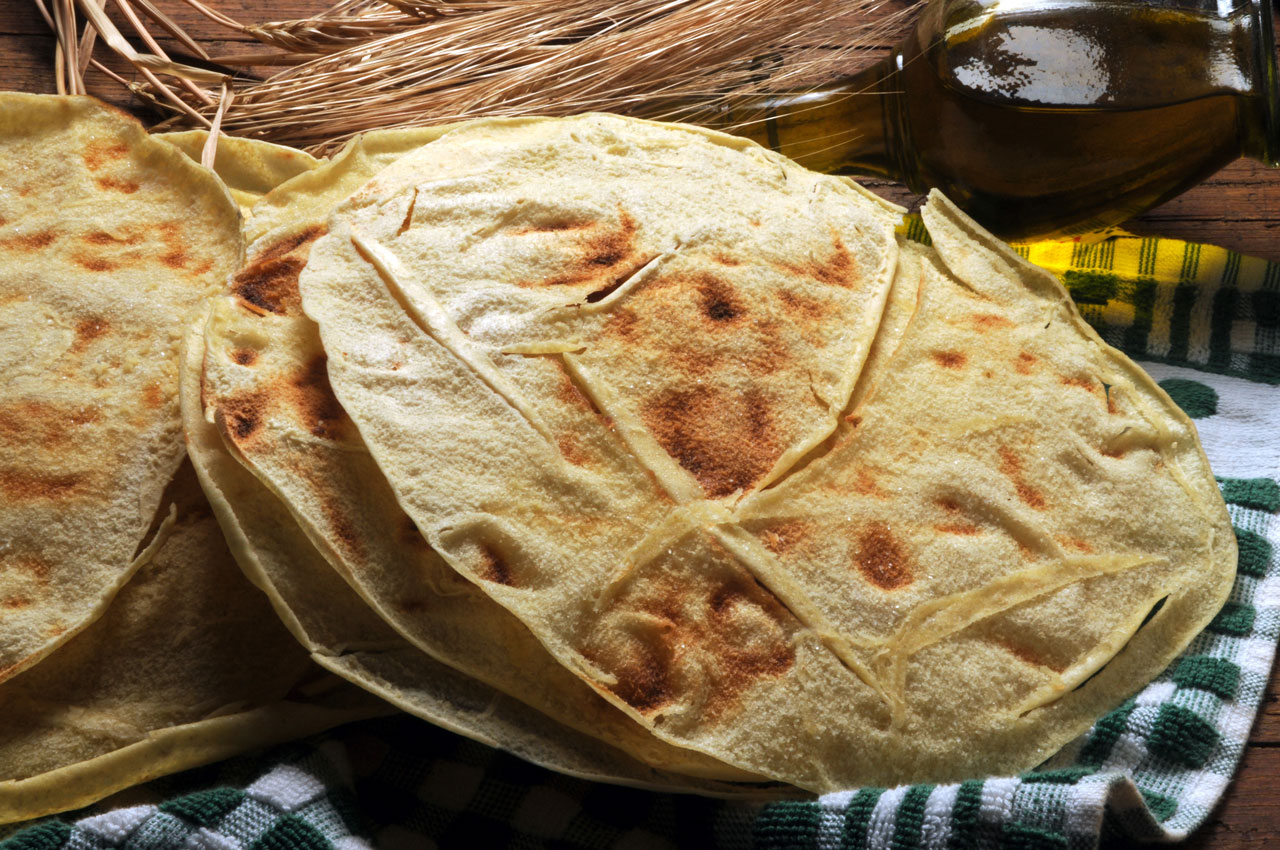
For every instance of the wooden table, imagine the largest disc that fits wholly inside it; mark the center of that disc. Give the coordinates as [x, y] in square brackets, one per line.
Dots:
[1238, 208]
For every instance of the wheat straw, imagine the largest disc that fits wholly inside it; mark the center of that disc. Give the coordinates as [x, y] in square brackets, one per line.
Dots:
[364, 64]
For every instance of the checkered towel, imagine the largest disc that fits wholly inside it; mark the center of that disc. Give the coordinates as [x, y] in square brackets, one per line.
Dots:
[1204, 321]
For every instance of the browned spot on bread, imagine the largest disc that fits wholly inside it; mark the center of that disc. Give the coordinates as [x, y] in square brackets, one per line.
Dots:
[313, 398]
[1024, 363]
[270, 285]
[87, 330]
[341, 525]
[595, 254]
[802, 306]
[1010, 463]
[758, 347]
[719, 302]
[1011, 466]
[881, 559]
[727, 632]
[644, 676]
[950, 359]
[1082, 383]
[154, 396]
[1075, 543]
[29, 241]
[726, 260]
[13, 602]
[608, 249]
[98, 154]
[95, 264]
[24, 485]
[963, 528]
[854, 420]
[171, 233]
[786, 536]
[948, 504]
[725, 439]
[622, 277]
[569, 393]
[494, 567]
[291, 243]
[743, 662]
[41, 423]
[865, 483]
[36, 567]
[623, 323]
[241, 416]
[1024, 653]
[838, 269]
[1113, 452]
[571, 448]
[269, 281]
[989, 321]
[101, 237]
[606, 290]
[244, 356]
[55, 629]
[113, 184]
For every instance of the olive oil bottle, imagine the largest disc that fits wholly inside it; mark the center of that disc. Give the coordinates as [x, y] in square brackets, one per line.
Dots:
[1046, 117]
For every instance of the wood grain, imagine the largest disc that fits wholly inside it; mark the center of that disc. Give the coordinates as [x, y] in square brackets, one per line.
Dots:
[1238, 208]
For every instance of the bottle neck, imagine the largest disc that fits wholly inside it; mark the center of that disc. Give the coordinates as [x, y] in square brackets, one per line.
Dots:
[846, 126]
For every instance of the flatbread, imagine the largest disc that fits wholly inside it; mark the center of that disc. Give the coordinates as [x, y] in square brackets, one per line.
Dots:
[107, 239]
[189, 665]
[608, 368]
[264, 385]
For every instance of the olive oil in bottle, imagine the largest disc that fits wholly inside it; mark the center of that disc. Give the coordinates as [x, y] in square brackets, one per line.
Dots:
[1046, 117]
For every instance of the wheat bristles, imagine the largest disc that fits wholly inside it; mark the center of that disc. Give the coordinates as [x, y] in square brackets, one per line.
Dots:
[365, 64]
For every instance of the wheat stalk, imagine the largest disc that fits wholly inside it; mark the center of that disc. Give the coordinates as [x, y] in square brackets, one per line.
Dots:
[364, 64]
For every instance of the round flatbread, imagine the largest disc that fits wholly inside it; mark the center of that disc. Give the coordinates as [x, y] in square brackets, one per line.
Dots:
[189, 665]
[264, 386]
[108, 239]
[614, 373]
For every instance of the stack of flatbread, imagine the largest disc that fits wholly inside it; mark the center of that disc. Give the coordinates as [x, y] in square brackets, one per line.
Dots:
[634, 449]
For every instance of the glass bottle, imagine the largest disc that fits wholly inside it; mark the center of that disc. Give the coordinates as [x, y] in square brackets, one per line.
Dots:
[1045, 117]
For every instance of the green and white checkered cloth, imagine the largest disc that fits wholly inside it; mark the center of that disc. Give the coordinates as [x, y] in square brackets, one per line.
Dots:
[1204, 321]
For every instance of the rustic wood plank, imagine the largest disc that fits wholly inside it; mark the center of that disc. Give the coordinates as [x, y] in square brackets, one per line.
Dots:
[1267, 729]
[1246, 819]
[1238, 208]
[28, 63]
